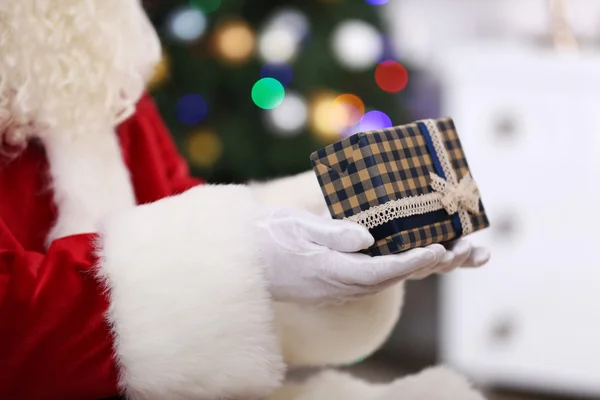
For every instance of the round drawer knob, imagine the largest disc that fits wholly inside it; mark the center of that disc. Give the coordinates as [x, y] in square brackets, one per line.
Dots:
[503, 330]
[506, 226]
[506, 127]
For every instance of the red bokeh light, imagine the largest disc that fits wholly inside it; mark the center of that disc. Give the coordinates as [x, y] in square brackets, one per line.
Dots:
[391, 76]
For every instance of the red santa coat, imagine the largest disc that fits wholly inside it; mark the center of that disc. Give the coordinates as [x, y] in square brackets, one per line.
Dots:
[163, 300]
[55, 342]
[152, 285]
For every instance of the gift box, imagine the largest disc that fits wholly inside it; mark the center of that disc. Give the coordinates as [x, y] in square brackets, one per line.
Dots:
[410, 185]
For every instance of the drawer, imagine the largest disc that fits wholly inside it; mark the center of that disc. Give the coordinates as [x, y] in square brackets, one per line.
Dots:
[529, 317]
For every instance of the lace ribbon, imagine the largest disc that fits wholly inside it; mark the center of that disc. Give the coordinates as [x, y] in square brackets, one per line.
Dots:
[442, 153]
[454, 197]
[394, 209]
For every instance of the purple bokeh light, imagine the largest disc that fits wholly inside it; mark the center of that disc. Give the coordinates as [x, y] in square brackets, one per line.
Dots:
[377, 2]
[374, 120]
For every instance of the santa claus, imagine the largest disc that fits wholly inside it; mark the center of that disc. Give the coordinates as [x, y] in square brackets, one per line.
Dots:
[122, 275]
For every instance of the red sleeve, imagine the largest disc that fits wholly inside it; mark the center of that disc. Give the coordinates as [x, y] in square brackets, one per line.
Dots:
[55, 343]
[174, 164]
[177, 167]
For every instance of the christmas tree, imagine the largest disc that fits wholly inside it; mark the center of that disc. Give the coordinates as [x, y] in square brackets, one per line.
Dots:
[250, 88]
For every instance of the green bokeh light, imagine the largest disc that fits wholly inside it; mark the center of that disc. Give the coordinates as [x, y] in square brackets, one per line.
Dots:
[268, 93]
[206, 6]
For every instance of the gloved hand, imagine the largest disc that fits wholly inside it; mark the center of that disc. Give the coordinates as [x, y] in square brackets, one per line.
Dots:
[313, 259]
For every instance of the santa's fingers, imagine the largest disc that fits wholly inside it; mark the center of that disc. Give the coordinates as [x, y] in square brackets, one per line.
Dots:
[460, 254]
[363, 270]
[443, 257]
[479, 256]
[462, 251]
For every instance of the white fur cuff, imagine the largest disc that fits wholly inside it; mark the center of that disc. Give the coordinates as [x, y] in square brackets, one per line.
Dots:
[191, 314]
[438, 383]
[300, 191]
[338, 334]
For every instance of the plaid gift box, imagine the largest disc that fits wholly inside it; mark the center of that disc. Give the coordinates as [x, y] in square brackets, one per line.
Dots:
[409, 185]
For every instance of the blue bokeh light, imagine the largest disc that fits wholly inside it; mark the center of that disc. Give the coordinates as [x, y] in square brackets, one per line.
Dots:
[389, 52]
[377, 2]
[191, 109]
[280, 71]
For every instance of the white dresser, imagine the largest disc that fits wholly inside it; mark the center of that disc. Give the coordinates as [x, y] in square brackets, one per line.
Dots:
[529, 121]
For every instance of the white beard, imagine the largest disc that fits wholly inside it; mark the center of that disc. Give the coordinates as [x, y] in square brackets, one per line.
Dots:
[72, 66]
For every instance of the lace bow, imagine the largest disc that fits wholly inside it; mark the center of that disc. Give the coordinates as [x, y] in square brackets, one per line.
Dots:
[464, 195]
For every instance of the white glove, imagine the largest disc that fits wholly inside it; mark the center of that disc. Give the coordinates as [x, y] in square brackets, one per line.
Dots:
[313, 259]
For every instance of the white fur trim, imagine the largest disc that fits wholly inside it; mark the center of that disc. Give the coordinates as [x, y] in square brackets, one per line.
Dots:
[301, 191]
[437, 383]
[191, 313]
[339, 334]
[90, 181]
[330, 385]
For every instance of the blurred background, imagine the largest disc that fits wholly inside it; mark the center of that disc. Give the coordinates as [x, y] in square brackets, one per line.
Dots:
[250, 88]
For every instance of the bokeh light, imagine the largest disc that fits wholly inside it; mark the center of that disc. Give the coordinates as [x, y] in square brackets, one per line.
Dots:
[389, 52]
[357, 44]
[206, 6]
[377, 2]
[280, 71]
[351, 130]
[234, 41]
[353, 108]
[161, 72]
[291, 19]
[268, 93]
[278, 44]
[340, 116]
[391, 76]
[322, 117]
[186, 24]
[282, 35]
[191, 109]
[204, 148]
[289, 117]
[374, 120]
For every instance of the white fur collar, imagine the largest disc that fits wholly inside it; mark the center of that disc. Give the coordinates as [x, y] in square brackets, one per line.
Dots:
[89, 180]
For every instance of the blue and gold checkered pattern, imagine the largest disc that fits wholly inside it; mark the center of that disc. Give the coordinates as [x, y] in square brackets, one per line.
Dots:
[371, 168]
